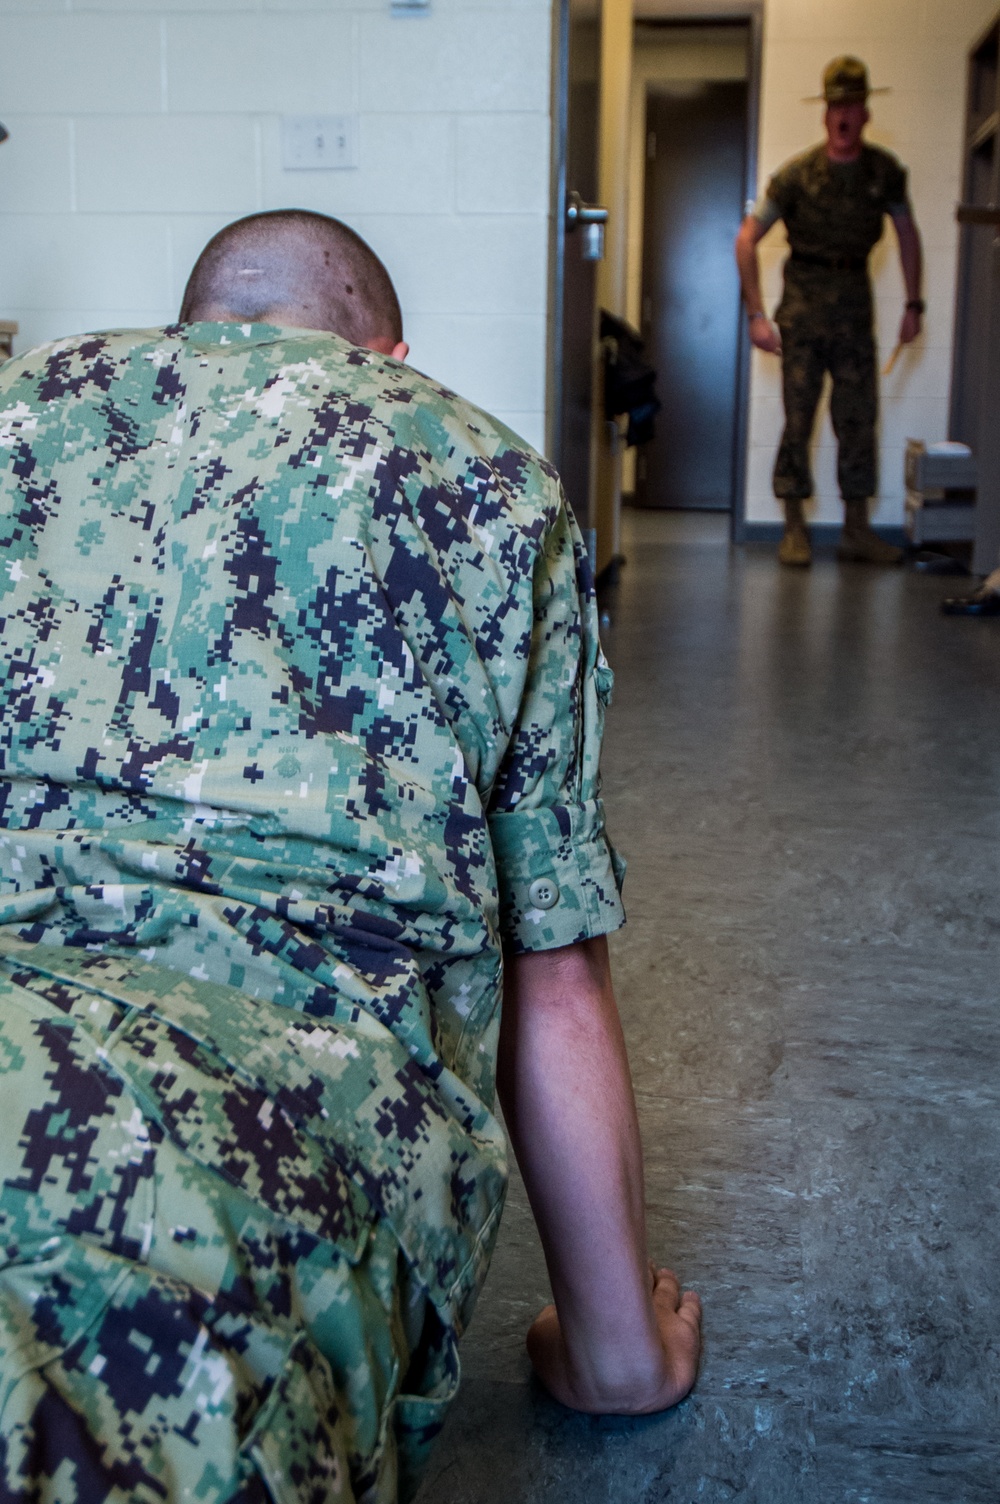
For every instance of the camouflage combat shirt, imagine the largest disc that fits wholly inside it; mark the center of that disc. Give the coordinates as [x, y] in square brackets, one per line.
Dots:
[831, 210]
[835, 209]
[301, 710]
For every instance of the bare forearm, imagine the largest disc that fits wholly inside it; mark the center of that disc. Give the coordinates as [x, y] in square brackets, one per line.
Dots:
[621, 1337]
[749, 268]
[910, 256]
[762, 332]
[567, 1098]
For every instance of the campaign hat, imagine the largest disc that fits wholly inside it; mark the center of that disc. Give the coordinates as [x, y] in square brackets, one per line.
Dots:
[845, 81]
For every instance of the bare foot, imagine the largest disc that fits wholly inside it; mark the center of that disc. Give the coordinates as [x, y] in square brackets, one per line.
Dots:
[633, 1380]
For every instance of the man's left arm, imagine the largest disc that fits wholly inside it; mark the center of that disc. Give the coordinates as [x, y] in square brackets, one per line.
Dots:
[912, 261]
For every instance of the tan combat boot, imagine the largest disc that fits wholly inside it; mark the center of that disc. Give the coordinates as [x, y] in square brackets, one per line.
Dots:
[794, 547]
[859, 544]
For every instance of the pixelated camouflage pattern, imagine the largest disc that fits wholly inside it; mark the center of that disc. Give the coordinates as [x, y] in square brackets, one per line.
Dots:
[837, 342]
[837, 208]
[302, 693]
[171, 1202]
[825, 315]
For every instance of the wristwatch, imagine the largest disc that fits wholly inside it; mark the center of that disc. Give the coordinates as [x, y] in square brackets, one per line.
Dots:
[760, 314]
[917, 303]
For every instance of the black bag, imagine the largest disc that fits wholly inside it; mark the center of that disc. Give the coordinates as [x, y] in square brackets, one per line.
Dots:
[629, 379]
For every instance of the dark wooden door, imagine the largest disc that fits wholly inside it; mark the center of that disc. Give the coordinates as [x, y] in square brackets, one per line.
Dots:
[695, 177]
[574, 333]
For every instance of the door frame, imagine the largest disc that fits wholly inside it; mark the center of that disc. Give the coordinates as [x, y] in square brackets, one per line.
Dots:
[982, 303]
[751, 13]
[559, 186]
[557, 222]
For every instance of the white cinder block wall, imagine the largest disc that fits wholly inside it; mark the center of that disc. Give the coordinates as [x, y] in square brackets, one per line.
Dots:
[139, 127]
[918, 48]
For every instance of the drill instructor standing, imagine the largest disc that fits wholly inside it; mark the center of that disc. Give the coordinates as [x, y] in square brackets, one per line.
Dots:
[832, 199]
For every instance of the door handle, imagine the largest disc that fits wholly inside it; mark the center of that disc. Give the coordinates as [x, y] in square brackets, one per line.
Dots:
[592, 218]
[579, 213]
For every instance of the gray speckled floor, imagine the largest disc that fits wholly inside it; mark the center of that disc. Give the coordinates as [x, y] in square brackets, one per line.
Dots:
[803, 769]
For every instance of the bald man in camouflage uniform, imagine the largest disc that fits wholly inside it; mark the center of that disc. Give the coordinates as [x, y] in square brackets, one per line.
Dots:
[833, 200]
[301, 722]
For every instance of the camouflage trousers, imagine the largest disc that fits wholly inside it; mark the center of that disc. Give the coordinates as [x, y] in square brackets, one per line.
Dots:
[847, 351]
[167, 1332]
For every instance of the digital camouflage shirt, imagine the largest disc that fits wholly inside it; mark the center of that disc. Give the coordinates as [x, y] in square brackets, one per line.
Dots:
[832, 211]
[301, 711]
[835, 208]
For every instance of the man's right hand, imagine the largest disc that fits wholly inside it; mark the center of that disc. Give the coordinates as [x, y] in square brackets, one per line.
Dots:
[765, 335]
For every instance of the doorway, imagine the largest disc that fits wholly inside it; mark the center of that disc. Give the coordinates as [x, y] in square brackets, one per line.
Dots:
[975, 387]
[693, 138]
[573, 271]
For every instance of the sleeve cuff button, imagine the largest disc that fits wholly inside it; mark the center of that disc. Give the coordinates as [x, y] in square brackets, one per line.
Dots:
[544, 893]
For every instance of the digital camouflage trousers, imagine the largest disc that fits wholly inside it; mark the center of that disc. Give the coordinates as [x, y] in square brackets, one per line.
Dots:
[848, 352]
[189, 1310]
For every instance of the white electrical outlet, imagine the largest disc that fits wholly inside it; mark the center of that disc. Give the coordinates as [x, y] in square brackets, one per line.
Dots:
[319, 142]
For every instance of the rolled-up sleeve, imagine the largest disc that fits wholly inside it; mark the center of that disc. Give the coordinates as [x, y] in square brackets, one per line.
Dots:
[783, 189]
[766, 212]
[559, 876]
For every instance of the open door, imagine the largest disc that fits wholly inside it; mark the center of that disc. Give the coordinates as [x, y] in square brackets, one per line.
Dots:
[695, 191]
[579, 245]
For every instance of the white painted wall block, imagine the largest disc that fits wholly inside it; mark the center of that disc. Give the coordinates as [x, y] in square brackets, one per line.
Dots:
[153, 164]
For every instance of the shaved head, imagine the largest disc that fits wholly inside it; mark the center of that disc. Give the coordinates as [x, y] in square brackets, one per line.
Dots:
[298, 269]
